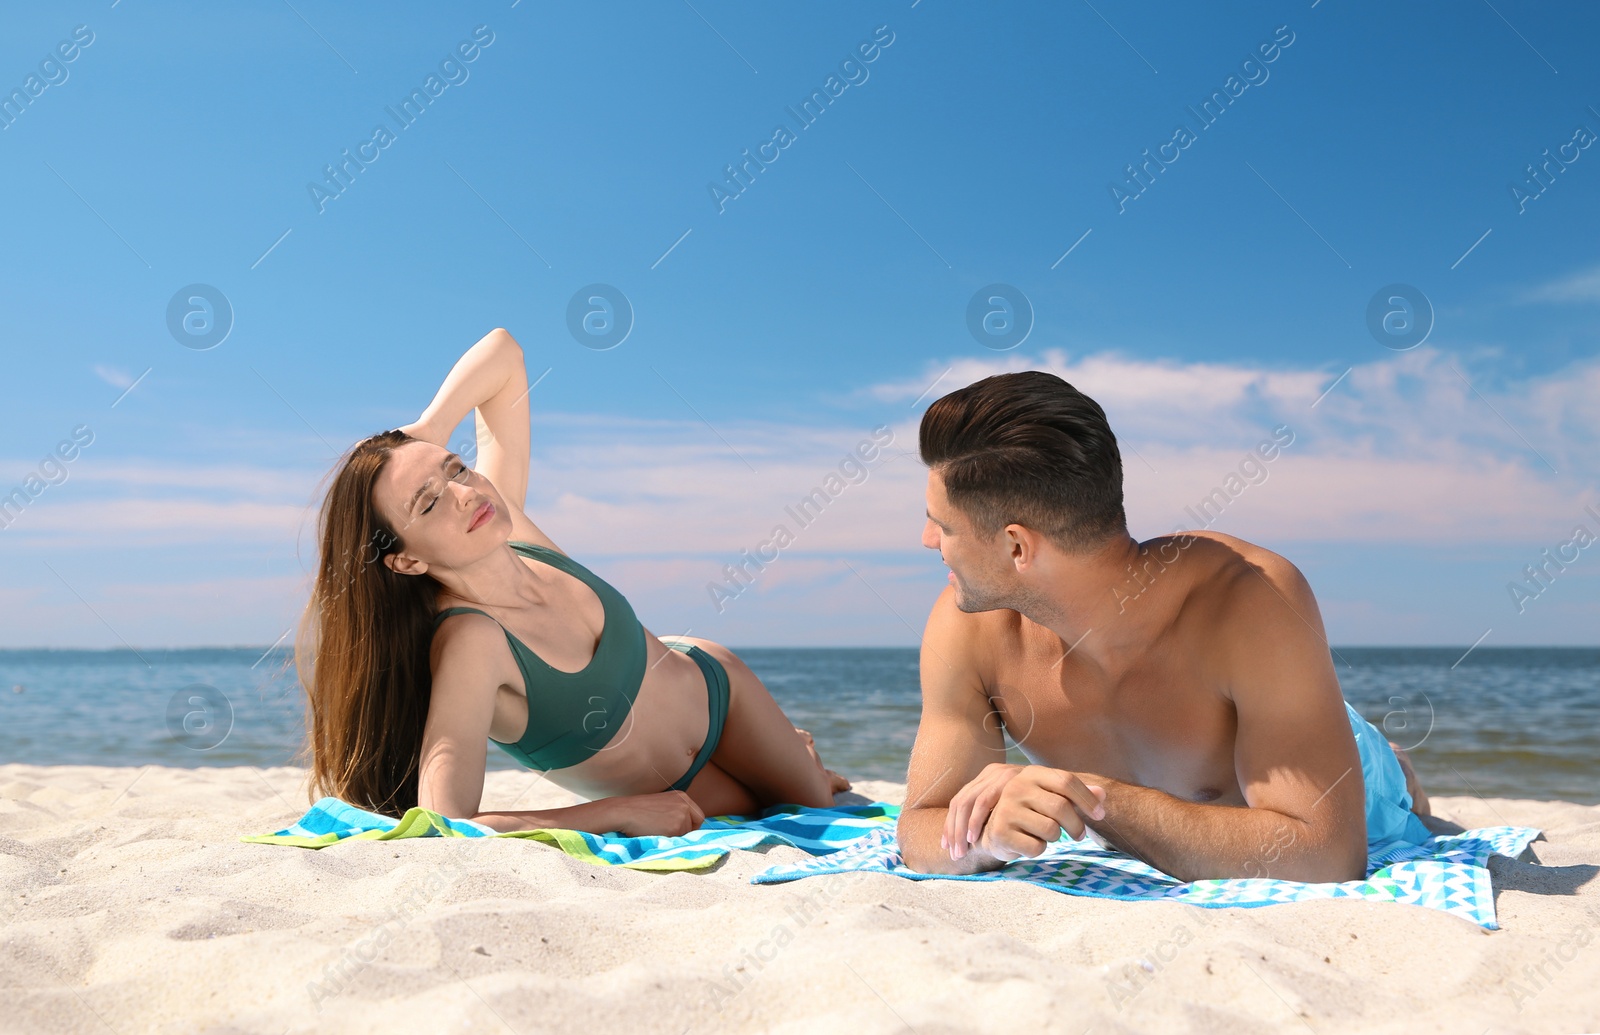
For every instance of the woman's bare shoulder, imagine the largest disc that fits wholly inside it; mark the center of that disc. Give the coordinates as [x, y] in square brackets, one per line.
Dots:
[463, 636]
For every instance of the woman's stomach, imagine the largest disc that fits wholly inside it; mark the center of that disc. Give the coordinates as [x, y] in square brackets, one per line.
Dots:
[656, 741]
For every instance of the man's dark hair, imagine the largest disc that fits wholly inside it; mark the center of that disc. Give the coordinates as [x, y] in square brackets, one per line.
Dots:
[1028, 448]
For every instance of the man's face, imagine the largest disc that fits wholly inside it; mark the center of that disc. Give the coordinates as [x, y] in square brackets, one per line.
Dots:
[978, 569]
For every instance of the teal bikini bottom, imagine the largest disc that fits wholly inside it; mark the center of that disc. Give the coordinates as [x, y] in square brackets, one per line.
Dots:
[717, 705]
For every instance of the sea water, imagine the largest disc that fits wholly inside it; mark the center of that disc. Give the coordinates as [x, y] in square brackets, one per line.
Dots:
[1501, 722]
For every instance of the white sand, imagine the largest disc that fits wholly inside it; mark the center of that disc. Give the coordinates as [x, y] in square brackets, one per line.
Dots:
[130, 907]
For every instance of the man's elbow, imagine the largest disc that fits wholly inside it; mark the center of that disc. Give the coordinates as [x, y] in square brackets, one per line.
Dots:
[1331, 864]
[919, 852]
[1319, 872]
[1355, 862]
[936, 863]
[911, 853]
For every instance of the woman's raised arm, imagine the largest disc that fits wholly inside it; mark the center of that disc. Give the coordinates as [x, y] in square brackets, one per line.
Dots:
[490, 378]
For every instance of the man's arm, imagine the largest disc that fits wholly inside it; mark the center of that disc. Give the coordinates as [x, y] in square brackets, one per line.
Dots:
[959, 783]
[1294, 755]
[953, 743]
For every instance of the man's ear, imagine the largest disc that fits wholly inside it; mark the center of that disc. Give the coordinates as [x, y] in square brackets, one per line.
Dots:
[402, 563]
[1023, 545]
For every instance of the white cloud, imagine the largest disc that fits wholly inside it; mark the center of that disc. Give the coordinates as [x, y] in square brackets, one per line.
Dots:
[1416, 449]
[1413, 448]
[1150, 395]
[1404, 449]
[1583, 286]
[268, 483]
[112, 376]
[146, 522]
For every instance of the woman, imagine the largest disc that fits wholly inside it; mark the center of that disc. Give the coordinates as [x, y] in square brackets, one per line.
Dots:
[443, 617]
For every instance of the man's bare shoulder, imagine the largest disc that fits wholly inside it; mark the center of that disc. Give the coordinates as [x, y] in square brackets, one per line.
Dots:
[971, 640]
[1253, 603]
[970, 627]
[1236, 573]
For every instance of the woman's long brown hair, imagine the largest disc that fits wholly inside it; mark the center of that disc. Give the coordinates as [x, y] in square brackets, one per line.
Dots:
[362, 647]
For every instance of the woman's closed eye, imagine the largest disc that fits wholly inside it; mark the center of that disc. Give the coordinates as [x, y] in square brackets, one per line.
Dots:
[457, 473]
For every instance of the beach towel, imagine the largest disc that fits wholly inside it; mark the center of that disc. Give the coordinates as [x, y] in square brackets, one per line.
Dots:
[1447, 872]
[818, 832]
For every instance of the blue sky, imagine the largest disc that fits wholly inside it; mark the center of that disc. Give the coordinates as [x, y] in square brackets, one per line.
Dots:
[774, 331]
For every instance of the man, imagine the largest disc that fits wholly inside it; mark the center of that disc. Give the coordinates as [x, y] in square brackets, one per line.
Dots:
[1175, 696]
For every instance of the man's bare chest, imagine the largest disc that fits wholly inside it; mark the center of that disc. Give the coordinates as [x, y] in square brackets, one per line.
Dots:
[1155, 726]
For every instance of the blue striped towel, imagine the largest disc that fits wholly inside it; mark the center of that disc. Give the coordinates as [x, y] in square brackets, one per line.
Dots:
[1448, 873]
[816, 831]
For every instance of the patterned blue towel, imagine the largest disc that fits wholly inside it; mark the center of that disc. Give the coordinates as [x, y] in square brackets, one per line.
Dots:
[1447, 873]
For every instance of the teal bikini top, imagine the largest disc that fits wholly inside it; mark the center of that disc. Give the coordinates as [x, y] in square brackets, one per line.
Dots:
[572, 715]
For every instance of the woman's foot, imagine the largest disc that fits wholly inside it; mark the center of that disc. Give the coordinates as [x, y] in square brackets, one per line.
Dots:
[836, 783]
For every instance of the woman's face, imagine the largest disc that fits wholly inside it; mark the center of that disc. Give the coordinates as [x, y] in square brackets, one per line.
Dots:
[446, 514]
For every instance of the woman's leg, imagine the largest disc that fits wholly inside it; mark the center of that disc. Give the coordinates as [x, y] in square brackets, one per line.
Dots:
[719, 794]
[760, 748]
